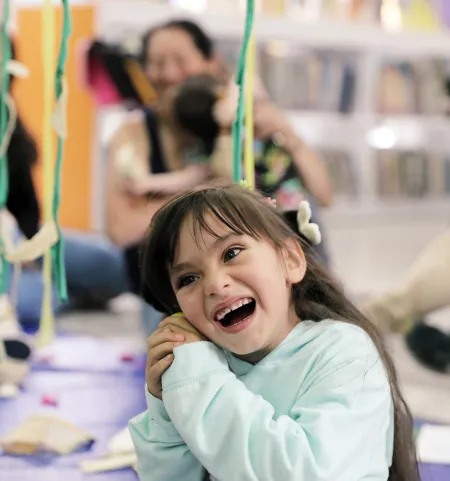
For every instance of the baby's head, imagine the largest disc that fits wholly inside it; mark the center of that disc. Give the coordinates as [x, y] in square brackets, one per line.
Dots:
[223, 256]
[193, 108]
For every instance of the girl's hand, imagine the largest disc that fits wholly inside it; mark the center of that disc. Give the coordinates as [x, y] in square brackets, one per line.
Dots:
[180, 325]
[160, 356]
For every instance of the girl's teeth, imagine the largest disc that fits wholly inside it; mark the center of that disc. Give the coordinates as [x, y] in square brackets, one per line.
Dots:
[221, 314]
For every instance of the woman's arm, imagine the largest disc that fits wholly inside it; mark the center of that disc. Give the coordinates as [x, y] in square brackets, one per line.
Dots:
[270, 122]
[311, 169]
[171, 183]
[127, 216]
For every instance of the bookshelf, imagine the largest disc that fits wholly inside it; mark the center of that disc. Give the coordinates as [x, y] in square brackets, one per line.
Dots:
[380, 111]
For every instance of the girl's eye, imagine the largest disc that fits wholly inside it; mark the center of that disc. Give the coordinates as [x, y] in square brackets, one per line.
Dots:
[186, 280]
[231, 253]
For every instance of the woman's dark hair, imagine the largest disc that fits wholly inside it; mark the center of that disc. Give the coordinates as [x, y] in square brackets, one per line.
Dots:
[193, 109]
[317, 297]
[22, 155]
[199, 37]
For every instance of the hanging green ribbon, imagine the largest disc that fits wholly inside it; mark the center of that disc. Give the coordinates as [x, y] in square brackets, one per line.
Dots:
[58, 249]
[240, 81]
[4, 175]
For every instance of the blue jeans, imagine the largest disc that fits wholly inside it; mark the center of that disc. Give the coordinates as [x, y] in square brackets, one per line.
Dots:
[92, 264]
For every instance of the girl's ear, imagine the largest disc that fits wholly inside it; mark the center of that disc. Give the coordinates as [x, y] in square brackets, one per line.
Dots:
[295, 261]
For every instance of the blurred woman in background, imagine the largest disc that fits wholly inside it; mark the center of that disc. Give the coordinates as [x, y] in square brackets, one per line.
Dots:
[164, 155]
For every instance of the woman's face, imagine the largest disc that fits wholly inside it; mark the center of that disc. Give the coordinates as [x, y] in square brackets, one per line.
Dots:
[171, 57]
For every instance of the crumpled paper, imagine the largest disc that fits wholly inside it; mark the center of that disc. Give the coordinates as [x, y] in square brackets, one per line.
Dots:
[43, 433]
[121, 454]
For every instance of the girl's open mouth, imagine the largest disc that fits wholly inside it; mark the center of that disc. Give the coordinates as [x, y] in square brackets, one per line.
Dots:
[237, 313]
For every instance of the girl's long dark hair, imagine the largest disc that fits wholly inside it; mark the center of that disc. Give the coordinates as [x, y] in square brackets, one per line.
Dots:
[317, 297]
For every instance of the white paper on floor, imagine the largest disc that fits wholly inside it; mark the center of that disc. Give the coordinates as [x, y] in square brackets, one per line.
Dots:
[121, 442]
[121, 454]
[433, 444]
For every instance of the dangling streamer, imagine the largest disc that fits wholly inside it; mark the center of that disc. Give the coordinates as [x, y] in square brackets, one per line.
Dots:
[61, 128]
[4, 175]
[249, 160]
[53, 119]
[240, 78]
[46, 328]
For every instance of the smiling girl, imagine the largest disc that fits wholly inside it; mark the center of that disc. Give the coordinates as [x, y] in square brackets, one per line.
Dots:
[272, 374]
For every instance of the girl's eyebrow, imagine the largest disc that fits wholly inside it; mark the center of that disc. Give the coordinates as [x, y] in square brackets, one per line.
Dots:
[183, 266]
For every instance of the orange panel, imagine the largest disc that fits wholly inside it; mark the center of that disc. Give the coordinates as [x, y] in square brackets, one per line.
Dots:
[75, 211]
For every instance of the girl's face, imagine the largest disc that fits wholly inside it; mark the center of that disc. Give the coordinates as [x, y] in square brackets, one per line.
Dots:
[171, 57]
[236, 290]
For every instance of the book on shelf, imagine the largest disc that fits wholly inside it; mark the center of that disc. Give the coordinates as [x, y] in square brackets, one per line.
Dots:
[300, 79]
[341, 168]
[413, 87]
[412, 174]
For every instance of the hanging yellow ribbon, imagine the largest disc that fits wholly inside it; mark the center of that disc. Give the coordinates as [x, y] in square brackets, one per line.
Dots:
[47, 330]
[249, 160]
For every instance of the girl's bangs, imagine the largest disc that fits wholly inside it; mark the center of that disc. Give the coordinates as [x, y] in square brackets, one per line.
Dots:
[241, 218]
[243, 213]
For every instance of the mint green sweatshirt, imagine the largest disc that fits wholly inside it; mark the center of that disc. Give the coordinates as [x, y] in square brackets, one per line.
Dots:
[317, 408]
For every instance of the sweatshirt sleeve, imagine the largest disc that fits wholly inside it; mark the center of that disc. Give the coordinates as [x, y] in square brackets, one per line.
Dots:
[336, 429]
[162, 455]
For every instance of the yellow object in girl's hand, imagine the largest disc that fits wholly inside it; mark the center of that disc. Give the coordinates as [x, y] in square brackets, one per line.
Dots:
[178, 314]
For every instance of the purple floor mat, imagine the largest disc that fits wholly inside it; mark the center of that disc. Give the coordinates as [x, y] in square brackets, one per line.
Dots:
[99, 393]
[95, 390]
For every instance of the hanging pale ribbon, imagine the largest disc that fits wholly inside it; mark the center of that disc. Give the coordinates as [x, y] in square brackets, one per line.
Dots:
[249, 158]
[35, 247]
[53, 118]
[46, 329]
[240, 79]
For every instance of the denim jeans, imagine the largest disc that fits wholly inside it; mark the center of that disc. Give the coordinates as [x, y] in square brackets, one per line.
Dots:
[92, 264]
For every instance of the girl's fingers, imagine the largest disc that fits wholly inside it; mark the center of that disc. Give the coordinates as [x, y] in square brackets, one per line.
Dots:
[154, 375]
[161, 336]
[160, 351]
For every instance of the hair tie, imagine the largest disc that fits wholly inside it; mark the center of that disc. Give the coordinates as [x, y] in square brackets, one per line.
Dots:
[309, 229]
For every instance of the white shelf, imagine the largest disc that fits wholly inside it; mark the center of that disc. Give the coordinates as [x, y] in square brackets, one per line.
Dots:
[329, 129]
[136, 16]
[412, 210]
[334, 130]
[118, 20]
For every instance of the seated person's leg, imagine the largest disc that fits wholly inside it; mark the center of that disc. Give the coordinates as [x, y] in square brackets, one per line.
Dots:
[94, 265]
[30, 294]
